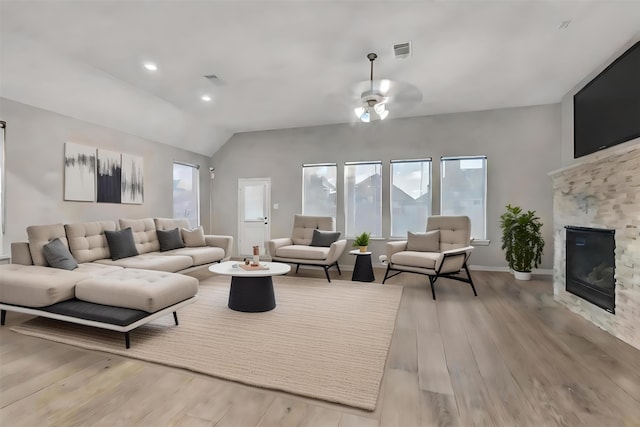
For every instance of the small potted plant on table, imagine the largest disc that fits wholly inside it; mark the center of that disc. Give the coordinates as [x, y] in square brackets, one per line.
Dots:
[522, 240]
[362, 241]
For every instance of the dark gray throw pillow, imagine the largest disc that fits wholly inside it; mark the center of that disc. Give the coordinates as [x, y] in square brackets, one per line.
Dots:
[324, 238]
[170, 239]
[58, 256]
[121, 243]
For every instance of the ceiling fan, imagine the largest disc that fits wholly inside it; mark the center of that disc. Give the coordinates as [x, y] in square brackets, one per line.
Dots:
[375, 98]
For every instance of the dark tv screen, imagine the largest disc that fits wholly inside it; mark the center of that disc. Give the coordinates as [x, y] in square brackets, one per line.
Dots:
[606, 111]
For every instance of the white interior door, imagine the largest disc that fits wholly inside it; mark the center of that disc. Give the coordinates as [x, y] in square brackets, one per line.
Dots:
[254, 200]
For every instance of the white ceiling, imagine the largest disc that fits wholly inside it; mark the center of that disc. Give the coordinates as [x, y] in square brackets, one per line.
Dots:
[292, 63]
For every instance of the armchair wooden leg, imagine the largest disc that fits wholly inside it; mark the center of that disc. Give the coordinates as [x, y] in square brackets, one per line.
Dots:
[432, 281]
[326, 272]
[297, 267]
[386, 273]
[338, 267]
[470, 281]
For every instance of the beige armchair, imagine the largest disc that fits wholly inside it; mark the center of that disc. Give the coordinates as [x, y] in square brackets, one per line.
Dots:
[442, 251]
[314, 241]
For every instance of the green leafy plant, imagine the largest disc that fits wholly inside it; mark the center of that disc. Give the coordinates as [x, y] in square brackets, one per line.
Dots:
[362, 240]
[522, 240]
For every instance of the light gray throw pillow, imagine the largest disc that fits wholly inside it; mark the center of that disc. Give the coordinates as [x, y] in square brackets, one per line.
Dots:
[58, 256]
[193, 238]
[424, 242]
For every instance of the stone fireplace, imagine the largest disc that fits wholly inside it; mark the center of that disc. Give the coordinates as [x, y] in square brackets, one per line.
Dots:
[602, 192]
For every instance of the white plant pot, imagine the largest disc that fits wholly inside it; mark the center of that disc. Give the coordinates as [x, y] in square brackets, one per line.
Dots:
[522, 275]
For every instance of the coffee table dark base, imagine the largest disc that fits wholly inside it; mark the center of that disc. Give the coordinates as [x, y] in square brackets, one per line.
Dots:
[252, 294]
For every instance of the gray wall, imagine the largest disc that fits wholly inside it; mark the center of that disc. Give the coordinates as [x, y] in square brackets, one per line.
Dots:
[567, 115]
[522, 145]
[34, 159]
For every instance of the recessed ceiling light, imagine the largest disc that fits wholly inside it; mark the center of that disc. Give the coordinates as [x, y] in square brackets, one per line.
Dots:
[150, 66]
[564, 24]
[205, 98]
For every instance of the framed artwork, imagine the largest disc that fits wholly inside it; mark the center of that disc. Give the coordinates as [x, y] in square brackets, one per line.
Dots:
[109, 177]
[132, 186]
[79, 172]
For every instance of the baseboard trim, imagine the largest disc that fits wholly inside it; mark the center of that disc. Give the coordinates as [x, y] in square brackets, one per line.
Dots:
[542, 271]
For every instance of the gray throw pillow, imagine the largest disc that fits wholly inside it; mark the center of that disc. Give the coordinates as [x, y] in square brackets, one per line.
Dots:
[121, 243]
[170, 239]
[424, 242]
[324, 238]
[58, 256]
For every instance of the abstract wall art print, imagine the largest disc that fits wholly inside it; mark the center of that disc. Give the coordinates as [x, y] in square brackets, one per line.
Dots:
[79, 172]
[132, 186]
[109, 177]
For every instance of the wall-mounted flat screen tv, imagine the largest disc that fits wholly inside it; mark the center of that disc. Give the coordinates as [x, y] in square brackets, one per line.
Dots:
[606, 111]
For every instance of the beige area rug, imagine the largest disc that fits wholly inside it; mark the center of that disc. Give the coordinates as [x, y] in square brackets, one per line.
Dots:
[326, 341]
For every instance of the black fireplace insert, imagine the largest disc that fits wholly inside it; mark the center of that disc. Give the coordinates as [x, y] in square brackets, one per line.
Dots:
[591, 265]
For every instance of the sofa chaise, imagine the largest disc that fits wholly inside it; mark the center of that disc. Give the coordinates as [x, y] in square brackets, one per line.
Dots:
[98, 290]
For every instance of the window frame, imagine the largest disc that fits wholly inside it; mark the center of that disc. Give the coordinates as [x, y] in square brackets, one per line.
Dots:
[429, 160]
[197, 184]
[443, 159]
[3, 184]
[318, 165]
[352, 233]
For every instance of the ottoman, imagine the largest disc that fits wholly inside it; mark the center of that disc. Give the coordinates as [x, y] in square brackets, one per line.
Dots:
[121, 300]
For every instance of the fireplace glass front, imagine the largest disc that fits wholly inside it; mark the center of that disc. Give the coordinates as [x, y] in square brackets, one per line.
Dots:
[591, 265]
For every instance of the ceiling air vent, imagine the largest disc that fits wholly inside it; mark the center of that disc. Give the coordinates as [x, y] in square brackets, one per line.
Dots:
[402, 50]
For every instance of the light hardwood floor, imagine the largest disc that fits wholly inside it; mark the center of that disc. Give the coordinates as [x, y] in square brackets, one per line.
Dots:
[509, 357]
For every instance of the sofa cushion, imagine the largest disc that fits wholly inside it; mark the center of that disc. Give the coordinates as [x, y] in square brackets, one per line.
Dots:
[40, 235]
[171, 223]
[170, 239]
[58, 256]
[36, 286]
[152, 261]
[324, 238]
[416, 259]
[144, 234]
[193, 238]
[149, 291]
[93, 268]
[200, 256]
[424, 242]
[303, 252]
[87, 241]
[121, 244]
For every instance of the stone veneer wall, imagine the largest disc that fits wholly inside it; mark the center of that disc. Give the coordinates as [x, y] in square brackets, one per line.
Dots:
[603, 193]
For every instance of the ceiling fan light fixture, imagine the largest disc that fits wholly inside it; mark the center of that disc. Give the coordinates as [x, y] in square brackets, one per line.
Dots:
[374, 103]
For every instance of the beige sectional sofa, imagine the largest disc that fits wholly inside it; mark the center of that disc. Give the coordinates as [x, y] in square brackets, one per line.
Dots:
[117, 294]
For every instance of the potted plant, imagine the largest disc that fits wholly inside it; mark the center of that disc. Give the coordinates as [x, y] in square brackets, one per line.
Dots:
[522, 240]
[362, 241]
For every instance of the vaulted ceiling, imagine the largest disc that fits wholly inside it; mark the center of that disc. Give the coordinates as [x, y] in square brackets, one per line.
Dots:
[283, 64]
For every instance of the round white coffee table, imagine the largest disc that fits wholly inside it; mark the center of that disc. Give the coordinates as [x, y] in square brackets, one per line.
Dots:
[251, 290]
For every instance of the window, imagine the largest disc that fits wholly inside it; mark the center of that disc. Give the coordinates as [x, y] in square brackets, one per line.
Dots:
[186, 192]
[464, 190]
[363, 198]
[410, 196]
[319, 189]
[3, 126]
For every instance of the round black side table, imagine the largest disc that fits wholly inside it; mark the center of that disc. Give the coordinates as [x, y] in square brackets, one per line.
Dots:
[363, 270]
